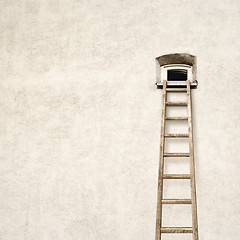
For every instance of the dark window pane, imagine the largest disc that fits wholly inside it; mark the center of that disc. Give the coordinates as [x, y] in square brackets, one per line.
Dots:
[177, 75]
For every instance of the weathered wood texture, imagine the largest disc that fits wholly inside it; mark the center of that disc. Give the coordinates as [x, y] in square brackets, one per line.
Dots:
[176, 154]
[192, 165]
[176, 176]
[176, 118]
[176, 201]
[173, 104]
[176, 90]
[176, 230]
[161, 166]
[176, 135]
[191, 176]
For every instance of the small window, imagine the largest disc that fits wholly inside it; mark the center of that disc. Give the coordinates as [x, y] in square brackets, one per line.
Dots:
[177, 75]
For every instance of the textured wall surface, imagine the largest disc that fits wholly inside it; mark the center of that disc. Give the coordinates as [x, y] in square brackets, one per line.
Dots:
[80, 116]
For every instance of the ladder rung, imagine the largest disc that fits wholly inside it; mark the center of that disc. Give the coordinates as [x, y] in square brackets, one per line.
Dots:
[176, 230]
[176, 103]
[176, 89]
[176, 201]
[176, 118]
[176, 135]
[176, 176]
[176, 154]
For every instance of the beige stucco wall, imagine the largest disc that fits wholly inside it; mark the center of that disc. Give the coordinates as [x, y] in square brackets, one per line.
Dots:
[80, 116]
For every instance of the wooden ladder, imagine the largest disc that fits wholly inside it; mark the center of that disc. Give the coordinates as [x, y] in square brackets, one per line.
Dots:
[159, 228]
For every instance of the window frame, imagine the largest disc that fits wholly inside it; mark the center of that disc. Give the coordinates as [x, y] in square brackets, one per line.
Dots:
[165, 68]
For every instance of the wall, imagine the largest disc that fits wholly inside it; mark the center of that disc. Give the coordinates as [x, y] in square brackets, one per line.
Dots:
[80, 116]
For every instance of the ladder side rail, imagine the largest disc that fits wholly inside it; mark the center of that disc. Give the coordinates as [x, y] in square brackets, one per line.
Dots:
[161, 166]
[192, 166]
